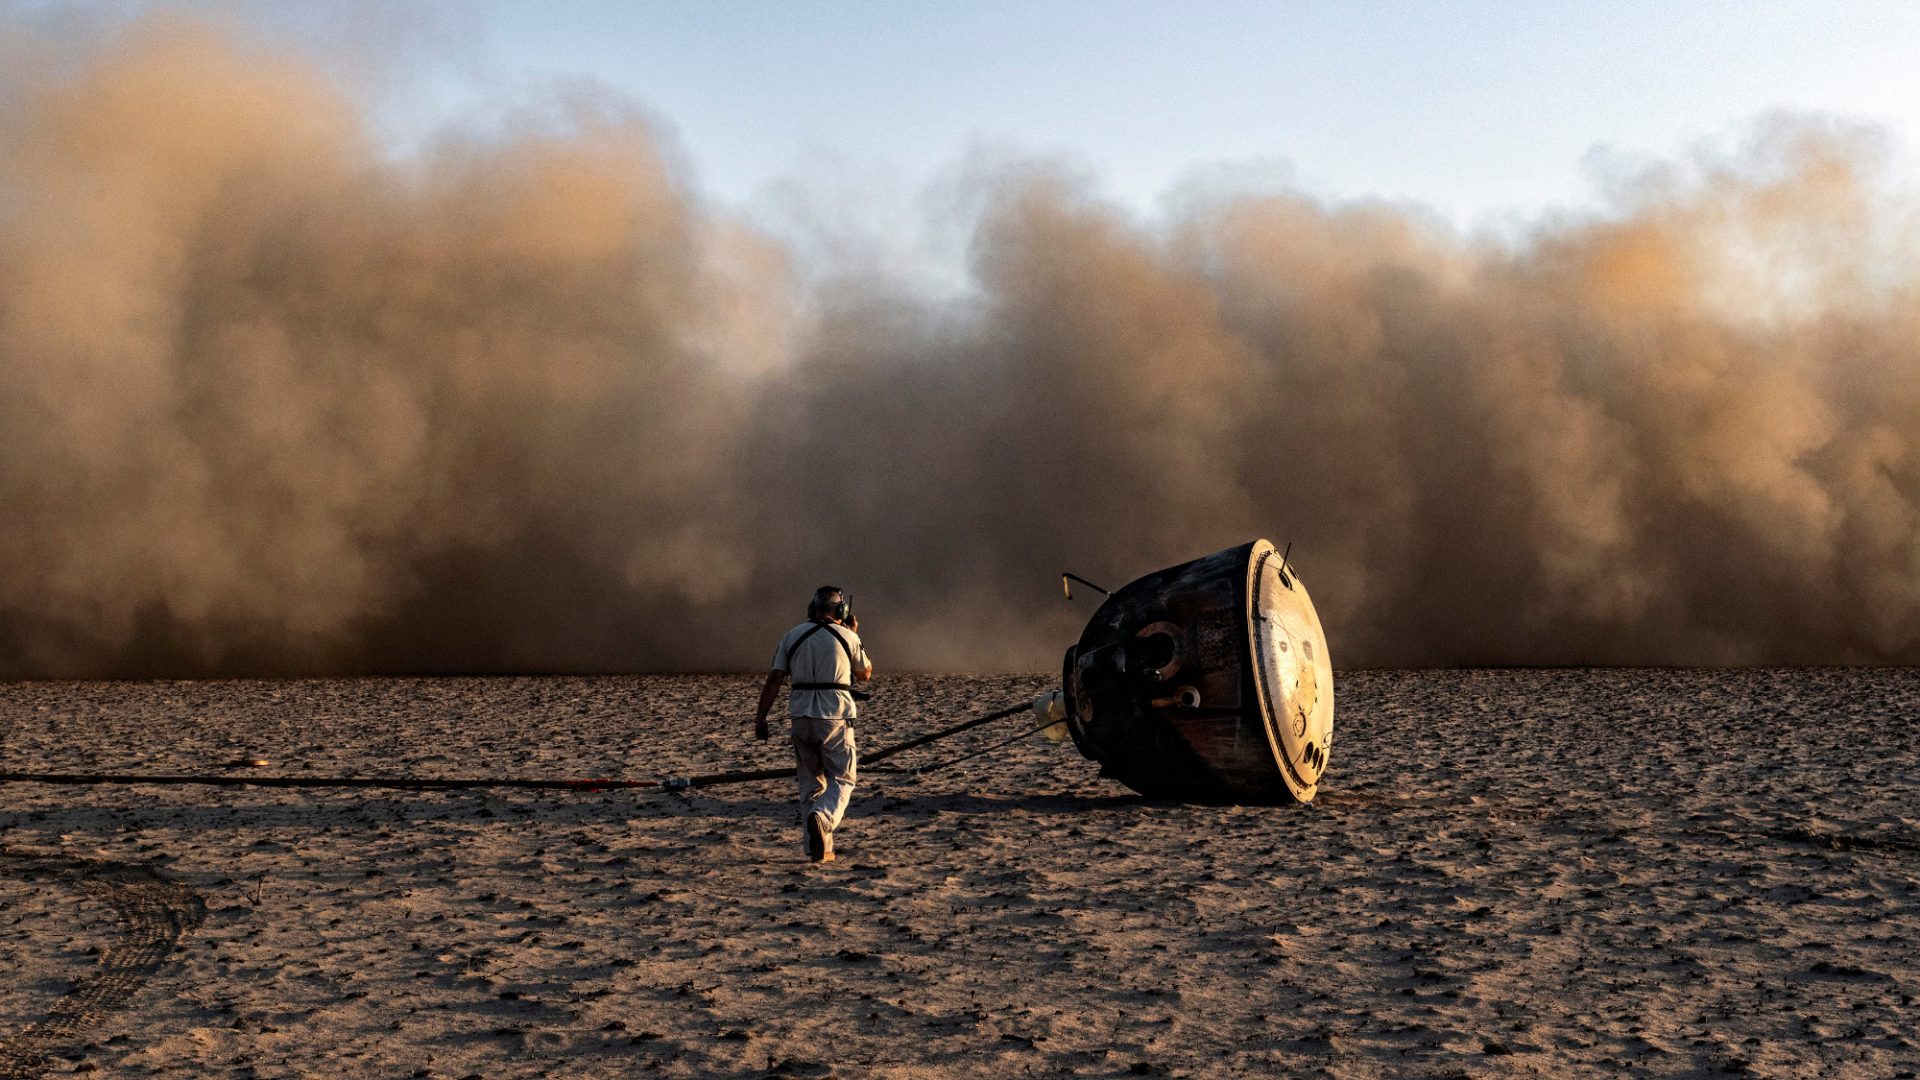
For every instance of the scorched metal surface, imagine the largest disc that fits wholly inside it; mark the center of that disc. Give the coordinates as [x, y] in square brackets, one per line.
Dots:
[1208, 682]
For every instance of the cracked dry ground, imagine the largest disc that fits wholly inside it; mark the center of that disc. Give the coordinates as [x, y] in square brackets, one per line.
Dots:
[1569, 873]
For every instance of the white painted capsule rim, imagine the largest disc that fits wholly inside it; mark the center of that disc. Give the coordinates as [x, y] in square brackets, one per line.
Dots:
[1301, 788]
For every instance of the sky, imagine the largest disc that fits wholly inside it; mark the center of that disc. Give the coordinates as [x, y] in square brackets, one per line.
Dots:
[1482, 112]
[279, 393]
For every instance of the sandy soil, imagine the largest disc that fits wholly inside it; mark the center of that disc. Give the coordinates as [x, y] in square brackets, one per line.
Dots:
[1508, 873]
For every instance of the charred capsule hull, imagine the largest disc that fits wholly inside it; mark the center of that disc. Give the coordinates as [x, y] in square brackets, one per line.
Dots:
[1206, 682]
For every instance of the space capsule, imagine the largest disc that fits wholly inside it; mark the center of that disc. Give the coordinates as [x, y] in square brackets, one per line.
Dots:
[1206, 682]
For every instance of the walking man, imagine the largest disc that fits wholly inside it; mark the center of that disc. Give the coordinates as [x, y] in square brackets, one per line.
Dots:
[823, 656]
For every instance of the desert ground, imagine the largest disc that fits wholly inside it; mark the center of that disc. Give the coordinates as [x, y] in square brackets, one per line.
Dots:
[1506, 873]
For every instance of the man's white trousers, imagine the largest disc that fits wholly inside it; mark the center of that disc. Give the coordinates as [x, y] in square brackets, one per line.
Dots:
[826, 753]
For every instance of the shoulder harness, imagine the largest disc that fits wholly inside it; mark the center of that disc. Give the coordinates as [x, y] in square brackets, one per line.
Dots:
[844, 647]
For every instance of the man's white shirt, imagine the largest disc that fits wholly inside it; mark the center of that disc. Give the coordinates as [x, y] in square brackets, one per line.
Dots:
[820, 659]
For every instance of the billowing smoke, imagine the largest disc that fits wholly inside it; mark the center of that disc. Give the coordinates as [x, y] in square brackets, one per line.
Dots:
[274, 400]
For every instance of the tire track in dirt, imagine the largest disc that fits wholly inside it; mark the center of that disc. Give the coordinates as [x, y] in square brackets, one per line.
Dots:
[153, 912]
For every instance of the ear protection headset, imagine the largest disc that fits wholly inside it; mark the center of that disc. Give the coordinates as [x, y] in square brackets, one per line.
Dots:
[830, 602]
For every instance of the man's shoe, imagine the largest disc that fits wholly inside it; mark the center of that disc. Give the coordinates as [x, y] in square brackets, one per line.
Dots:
[819, 838]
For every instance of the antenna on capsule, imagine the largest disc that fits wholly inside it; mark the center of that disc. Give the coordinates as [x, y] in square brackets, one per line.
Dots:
[1067, 580]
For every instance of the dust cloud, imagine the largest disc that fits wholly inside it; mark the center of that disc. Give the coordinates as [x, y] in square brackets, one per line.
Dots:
[275, 398]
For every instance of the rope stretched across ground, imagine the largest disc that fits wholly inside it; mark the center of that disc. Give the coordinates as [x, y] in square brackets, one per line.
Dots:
[154, 913]
[417, 783]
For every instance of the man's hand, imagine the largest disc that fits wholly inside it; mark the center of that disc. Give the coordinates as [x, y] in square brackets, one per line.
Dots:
[767, 694]
[853, 622]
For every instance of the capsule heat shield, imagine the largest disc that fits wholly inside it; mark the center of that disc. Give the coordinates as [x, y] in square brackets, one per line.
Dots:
[1207, 682]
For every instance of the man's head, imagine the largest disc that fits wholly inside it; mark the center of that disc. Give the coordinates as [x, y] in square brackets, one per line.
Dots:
[830, 602]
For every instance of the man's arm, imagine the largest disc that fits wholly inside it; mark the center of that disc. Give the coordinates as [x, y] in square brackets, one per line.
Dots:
[767, 693]
[863, 674]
